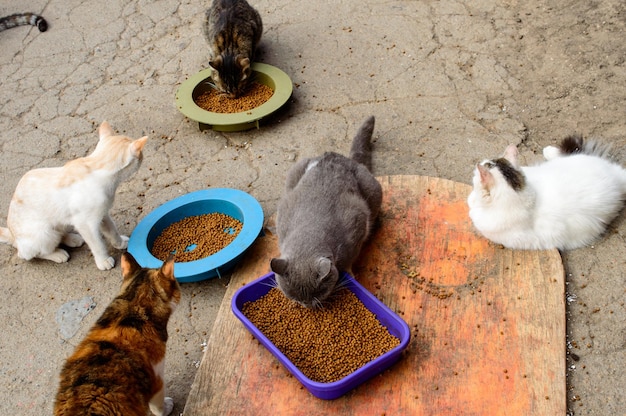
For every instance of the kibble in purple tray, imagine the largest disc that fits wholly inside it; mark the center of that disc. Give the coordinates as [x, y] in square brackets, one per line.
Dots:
[328, 391]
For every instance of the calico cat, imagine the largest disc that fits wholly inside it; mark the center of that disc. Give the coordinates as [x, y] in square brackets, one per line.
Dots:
[71, 204]
[565, 203]
[117, 370]
[328, 210]
[233, 30]
[19, 19]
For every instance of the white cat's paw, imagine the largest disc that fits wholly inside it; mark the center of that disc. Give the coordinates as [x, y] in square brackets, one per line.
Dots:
[550, 152]
[58, 256]
[105, 264]
[123, 243]
[73, 240]
[168, 406]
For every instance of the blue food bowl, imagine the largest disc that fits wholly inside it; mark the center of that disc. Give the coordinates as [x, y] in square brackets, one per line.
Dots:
[235, 203]
[328, 391]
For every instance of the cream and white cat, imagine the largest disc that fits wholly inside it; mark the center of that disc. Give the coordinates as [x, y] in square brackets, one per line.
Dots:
[565, 203]
[70, 204]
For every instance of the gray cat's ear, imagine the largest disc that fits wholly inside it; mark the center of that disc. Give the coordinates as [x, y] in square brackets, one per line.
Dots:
[323, 267]
[278, 266]
[246, 69]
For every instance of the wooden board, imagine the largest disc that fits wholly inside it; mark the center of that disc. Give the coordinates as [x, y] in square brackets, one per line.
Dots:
[488, 323]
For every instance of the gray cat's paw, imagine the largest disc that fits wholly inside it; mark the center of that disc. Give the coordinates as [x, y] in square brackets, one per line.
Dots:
[123, 243]
[58, 256]
[73, 240]
[168, 406]
[105, 264]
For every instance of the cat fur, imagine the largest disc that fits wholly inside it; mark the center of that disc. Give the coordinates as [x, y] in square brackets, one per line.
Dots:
[233, 31]
[327, 212]
[565, 202]
[118, 368]
[70, 204]
[20, 19]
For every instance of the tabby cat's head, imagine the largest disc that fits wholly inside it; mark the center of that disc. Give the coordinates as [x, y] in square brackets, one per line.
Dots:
[231, 74]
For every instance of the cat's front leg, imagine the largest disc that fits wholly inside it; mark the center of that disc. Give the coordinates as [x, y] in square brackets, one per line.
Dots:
[91, 234]
[110, 231]
[161, 405]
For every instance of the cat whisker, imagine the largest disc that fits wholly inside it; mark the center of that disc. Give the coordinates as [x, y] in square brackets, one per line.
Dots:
[342, 283]
[272, 283]
[317, 304]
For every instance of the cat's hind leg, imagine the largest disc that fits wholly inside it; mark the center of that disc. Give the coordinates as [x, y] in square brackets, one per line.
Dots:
[41, 243]
[72, 240]
[296, 172]
[58, 256]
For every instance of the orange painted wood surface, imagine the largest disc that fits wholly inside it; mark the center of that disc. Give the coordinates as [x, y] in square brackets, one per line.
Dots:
[488, 323]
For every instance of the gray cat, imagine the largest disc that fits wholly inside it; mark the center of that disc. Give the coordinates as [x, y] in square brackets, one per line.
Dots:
[20, 19]
[328, 210]
[233, 30]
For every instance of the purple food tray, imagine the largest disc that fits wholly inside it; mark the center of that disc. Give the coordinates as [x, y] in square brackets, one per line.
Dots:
[328, 391]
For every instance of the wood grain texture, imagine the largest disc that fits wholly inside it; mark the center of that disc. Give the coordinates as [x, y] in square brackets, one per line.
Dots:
[488, 323]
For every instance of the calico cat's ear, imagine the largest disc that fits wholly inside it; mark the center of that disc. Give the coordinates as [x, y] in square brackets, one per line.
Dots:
[246, 69]
[167, 269]
[129, 265]
[324, 265]
[510, 154]
[137, 146]
[486, 178]
[278, 266]
[216, 63]
[105, 130]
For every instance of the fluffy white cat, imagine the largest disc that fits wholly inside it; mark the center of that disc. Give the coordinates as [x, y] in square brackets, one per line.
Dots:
[70, 204]
[565, 203]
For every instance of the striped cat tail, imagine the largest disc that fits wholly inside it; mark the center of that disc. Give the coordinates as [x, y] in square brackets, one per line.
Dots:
[21, 19]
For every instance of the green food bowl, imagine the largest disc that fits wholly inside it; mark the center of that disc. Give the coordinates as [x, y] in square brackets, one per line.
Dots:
[266, 74]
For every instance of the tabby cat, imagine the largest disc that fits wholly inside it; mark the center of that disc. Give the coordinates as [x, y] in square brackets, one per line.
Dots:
[328, 210]
[20, 19]
[70, 204]
[233, 30]
[118, 369]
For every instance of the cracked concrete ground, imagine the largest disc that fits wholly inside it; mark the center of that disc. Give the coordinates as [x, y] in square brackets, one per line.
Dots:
[450, 82]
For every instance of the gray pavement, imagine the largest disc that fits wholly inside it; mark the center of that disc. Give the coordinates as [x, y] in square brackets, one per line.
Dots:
[450, 82]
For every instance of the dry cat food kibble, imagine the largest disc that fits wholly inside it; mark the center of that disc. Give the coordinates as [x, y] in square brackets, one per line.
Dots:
[209, 233]
[327, 343]
[217, 102]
